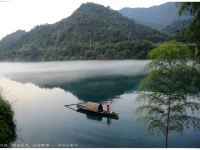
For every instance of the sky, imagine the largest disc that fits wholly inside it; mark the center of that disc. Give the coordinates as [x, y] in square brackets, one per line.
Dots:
[26, 14]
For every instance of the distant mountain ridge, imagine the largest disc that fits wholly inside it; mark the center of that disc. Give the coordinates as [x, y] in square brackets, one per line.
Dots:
[91, 32]
[157, 17]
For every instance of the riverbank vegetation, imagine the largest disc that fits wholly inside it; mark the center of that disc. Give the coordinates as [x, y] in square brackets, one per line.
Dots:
[7, 125]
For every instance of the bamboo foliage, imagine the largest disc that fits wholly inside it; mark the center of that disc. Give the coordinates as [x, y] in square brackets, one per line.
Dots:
[170, 104]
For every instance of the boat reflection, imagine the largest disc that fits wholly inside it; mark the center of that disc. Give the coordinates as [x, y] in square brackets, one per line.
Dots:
[91, 115]
[88, 113]
[94, 116]
[97, 117]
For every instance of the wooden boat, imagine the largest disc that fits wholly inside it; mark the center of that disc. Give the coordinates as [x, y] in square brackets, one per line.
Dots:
[98, 109]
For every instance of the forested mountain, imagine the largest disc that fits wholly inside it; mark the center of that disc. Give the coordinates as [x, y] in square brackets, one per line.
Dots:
[157, 17]
[177, 26]
[91, 32]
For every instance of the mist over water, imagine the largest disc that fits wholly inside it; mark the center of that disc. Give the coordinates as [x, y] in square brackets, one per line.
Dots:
[42, 72]
[39, 91]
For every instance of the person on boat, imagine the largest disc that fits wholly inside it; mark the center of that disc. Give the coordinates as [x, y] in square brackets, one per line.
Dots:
[108, 108]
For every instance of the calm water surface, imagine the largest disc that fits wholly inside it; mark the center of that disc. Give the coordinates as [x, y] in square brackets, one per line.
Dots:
[39, 91]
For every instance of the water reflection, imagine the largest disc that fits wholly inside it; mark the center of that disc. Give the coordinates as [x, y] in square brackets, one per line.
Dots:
[35, 107]
[100, 89]
[16, 92]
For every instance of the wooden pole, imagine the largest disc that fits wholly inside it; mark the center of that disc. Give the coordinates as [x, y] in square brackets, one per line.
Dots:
[72, 104]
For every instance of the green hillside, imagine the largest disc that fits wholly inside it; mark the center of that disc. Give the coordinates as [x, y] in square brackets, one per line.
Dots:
[91, 32]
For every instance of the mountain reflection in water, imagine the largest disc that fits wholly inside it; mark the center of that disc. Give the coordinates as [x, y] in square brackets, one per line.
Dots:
[101, 89]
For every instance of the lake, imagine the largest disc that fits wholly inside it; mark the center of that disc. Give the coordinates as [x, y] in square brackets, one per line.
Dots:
[39, 91]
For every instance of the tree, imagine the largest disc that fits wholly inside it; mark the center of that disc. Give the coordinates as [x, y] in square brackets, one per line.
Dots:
[169, 82]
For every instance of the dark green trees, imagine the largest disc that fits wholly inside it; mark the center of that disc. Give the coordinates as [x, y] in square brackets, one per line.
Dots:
[7, 125]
